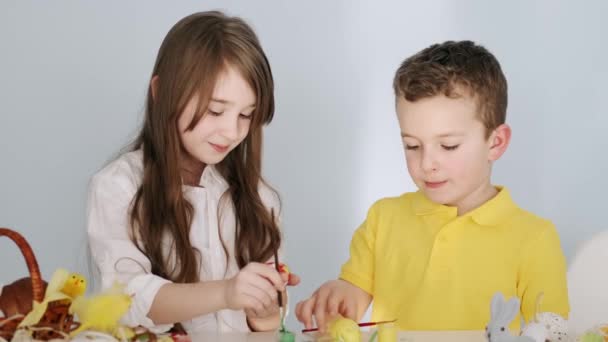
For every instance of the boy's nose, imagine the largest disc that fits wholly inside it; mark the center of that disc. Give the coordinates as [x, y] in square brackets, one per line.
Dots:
[428, 163]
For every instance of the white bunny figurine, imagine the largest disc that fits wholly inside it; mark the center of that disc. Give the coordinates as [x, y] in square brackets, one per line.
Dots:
[502, 313]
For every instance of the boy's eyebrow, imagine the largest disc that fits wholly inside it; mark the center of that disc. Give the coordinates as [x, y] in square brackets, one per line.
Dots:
[451, 134]
[443, 135]
[222, 101]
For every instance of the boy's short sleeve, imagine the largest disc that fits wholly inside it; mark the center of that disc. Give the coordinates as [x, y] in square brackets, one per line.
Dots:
[544, 271]
[359, 269]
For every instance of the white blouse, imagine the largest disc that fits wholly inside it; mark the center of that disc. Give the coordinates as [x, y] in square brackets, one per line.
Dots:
[111, 192]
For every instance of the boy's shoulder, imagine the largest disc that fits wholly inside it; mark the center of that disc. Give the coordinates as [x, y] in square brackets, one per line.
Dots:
[503, 211]
[530, 221]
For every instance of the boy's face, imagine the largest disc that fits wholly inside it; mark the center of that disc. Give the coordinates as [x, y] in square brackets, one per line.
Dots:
[447, 154]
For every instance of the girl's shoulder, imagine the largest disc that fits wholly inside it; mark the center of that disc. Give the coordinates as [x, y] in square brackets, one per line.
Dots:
[270, 197]
[125, 171]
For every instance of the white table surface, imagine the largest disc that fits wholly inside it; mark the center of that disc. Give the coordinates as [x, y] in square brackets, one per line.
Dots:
[404, 336]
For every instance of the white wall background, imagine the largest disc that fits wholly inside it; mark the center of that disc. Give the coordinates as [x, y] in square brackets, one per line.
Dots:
[73, 75]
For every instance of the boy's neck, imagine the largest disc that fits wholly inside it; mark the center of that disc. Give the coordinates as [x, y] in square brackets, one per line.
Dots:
[476, 198]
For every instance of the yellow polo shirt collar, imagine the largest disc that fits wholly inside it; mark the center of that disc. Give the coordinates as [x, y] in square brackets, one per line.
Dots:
[491, 213]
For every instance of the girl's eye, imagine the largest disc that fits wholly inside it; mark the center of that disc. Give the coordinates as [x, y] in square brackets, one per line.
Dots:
[450, 148]
[245, 116]
[214, 113]
[411, 147]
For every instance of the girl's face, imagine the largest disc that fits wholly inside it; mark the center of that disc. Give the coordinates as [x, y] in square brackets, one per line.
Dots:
[225, 123]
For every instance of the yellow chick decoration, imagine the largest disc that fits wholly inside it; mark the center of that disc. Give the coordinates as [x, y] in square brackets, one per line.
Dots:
[60, 280]
[75, 286]
[344, 330]
[101, 312]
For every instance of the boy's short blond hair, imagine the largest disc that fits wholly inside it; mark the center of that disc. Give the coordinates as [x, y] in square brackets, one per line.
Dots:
[456, 69]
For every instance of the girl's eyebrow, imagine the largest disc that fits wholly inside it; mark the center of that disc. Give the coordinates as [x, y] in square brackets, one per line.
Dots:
[229, 102]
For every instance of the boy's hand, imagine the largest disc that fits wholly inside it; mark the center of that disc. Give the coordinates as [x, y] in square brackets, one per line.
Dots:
[332, 298]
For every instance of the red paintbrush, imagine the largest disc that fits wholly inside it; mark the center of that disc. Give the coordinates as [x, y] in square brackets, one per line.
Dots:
[365, 324]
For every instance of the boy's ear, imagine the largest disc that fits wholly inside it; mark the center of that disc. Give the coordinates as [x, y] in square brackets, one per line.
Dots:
[154, 86]
[499, 141]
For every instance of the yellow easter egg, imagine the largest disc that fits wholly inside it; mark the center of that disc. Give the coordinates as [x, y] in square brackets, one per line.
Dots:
[387, 332]
[344, 330]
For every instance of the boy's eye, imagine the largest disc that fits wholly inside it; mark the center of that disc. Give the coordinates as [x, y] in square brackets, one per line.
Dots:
[450, 148]
[411, 147]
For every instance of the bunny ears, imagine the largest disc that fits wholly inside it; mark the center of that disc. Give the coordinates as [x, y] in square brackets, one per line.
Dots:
[503, 312]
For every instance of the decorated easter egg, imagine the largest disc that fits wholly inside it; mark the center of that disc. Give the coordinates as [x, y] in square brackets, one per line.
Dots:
[345, 330]
[556, 325]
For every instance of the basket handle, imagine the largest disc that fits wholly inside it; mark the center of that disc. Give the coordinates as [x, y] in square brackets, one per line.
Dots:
[30, 260]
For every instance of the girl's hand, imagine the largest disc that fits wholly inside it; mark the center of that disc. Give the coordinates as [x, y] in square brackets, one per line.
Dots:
[290, 279]
[254, 289]
[267, 320]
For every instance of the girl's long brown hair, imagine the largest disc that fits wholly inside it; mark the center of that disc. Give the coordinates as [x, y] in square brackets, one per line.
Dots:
[194, 52]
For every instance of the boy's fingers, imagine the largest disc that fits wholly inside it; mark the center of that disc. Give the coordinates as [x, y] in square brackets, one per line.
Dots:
[298, 309]
[350, 311]
[306, 312]
[321, 308]
[299, 312]
[333, 304]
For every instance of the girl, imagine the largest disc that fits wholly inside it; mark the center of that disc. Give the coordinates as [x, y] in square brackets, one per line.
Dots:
[185, 220]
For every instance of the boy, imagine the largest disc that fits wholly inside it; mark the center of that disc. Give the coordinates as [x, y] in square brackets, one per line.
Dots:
[433, 259]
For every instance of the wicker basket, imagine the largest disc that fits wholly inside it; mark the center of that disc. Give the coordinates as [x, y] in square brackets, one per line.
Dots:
[56, 321]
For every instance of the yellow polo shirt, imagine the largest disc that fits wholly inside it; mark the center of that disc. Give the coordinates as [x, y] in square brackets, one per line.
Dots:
[433, 270]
